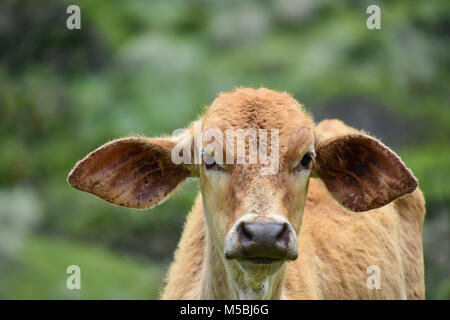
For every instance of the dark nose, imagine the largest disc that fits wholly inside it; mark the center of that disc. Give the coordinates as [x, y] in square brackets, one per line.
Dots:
[265, 240]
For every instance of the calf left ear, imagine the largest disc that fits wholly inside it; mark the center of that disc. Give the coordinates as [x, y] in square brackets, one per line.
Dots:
[134, 172]
[361, 173]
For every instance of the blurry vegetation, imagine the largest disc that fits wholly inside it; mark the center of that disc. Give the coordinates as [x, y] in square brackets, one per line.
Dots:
[150, 67]
[41, 273]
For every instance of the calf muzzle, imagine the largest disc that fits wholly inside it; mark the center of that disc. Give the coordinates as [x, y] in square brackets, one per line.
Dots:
[263, 242]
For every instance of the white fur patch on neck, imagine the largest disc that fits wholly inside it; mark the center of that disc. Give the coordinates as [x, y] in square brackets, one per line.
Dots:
[260, 292]
[251, 287]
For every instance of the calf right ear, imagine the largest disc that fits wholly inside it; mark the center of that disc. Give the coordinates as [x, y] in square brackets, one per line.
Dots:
[362, 173]
[134, 172]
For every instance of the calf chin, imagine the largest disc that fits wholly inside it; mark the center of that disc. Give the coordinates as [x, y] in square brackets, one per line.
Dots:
[260, 269]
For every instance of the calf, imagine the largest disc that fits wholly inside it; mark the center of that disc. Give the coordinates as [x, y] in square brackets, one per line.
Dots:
[274, 234]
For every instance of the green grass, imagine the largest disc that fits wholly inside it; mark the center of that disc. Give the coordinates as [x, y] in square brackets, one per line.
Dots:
[39, 272]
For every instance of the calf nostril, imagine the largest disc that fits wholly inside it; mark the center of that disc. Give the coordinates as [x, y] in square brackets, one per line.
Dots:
[281, 231]
[244, 232]
[282, 238]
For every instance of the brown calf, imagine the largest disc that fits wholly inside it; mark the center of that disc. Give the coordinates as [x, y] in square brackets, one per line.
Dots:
[354, 231]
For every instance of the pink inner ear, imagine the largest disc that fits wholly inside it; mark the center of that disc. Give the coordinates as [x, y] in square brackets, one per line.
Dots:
[361, 173]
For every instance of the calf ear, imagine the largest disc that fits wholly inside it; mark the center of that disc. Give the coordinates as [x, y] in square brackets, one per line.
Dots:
[362, 173]
[133, 172]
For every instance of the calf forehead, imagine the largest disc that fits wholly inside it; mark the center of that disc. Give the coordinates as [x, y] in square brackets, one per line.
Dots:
[248, 184]
[258, 109]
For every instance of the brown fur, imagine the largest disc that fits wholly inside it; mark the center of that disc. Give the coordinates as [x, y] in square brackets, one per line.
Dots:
[335, 248]
[335, 244]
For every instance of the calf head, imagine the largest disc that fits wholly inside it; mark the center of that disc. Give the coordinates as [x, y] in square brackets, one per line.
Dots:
[253, 212]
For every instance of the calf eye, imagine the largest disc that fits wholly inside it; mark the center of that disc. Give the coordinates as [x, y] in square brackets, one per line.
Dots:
[306, 162]
[214, 166]
[210, 163]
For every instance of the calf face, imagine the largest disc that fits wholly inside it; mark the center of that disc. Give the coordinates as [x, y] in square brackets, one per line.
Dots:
[253, 214]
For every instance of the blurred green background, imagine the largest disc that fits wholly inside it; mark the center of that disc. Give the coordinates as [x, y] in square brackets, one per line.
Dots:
[149, 67]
